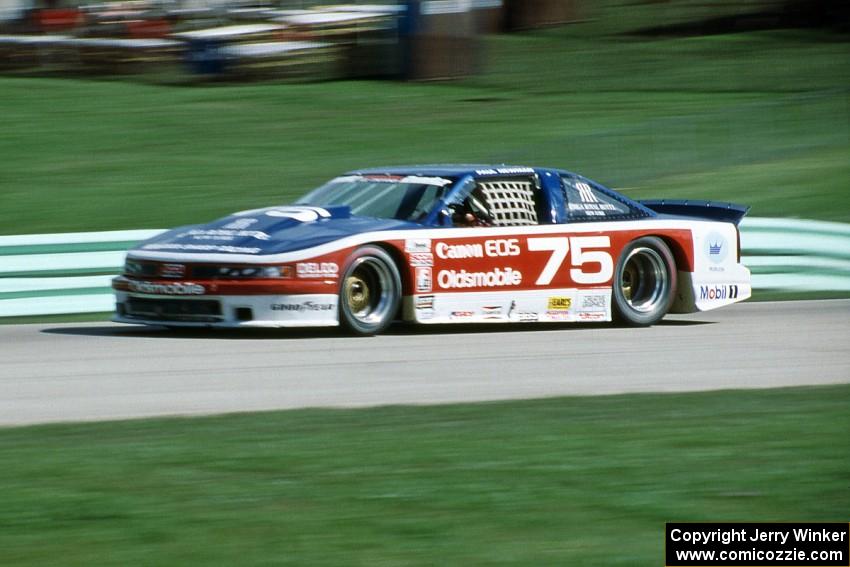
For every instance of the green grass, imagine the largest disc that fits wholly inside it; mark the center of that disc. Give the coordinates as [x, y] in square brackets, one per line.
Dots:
[761, 118]
[62, 318]
[570, 481]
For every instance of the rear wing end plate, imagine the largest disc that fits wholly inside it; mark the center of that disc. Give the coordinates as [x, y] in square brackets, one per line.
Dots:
[708, 210]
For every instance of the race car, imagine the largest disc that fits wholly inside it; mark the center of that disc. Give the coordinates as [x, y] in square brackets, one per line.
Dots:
[441, 244]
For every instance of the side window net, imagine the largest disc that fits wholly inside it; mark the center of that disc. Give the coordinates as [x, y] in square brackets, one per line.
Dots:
[510, 203]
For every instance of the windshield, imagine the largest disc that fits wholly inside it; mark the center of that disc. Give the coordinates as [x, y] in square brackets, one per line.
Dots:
[382, 196]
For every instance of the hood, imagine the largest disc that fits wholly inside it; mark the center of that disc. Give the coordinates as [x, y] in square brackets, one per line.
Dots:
[272, 230]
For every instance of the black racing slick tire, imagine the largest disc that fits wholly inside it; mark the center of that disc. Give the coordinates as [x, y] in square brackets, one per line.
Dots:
[370, 292]
[644, 282]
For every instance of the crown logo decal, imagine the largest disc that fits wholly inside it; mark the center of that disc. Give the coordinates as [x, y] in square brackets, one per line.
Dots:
[714, 248]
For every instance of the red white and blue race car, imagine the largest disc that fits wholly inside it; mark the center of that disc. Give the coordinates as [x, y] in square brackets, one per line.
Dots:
[441, 244]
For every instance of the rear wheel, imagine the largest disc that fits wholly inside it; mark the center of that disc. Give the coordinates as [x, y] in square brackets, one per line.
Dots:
[644, 282]
[370, 292]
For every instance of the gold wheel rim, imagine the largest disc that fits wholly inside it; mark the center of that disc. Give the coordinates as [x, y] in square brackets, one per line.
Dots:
[629, 277]
[356, 294]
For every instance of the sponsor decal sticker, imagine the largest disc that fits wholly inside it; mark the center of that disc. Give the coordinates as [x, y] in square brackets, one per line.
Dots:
[240, 224]
[458, 251]
[522, 316]
[496, 248]
[453, 279]
[301, 307]
[462, 314]
[301, 214]
[317, 270]
[202, 248]
[594, 209]
[176, 288]
[417, 245]
[590, 203]
[594, 302]
[424, 302]
[718, 292]
[424, 280]
[504, 171]
[716, 247]
[383, 178]
[559, 304]
[586, 193]
[592, 306]
[224, 234]
[592, 316]
[172, 270]
[559, 315]
[421, 259]
[420, 180]
[492, 311]
[387, 178]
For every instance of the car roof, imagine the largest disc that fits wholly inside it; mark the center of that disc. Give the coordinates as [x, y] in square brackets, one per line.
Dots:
[450, 170]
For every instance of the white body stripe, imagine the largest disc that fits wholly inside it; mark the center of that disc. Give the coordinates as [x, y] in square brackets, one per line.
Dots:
[435, 233]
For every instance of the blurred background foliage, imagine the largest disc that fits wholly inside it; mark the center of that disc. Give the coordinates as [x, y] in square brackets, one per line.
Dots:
[740, 101]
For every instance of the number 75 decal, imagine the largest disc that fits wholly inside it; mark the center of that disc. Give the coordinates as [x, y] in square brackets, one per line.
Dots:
[561, 245]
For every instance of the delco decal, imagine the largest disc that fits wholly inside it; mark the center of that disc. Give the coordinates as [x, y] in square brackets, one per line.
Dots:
[176, 288]
[452, 279]
[493, 248]
[718, 292]
[317, 270]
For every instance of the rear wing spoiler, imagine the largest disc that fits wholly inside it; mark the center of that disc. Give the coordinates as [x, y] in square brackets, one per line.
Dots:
[709, 210]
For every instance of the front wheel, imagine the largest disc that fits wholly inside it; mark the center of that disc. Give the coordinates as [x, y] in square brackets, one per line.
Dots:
[370, 292]
[644, 282]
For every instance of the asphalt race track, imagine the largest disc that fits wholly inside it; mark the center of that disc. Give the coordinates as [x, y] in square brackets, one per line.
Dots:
[96, 371]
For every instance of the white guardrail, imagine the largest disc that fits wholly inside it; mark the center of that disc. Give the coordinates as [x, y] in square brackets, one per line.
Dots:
[50, 274]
